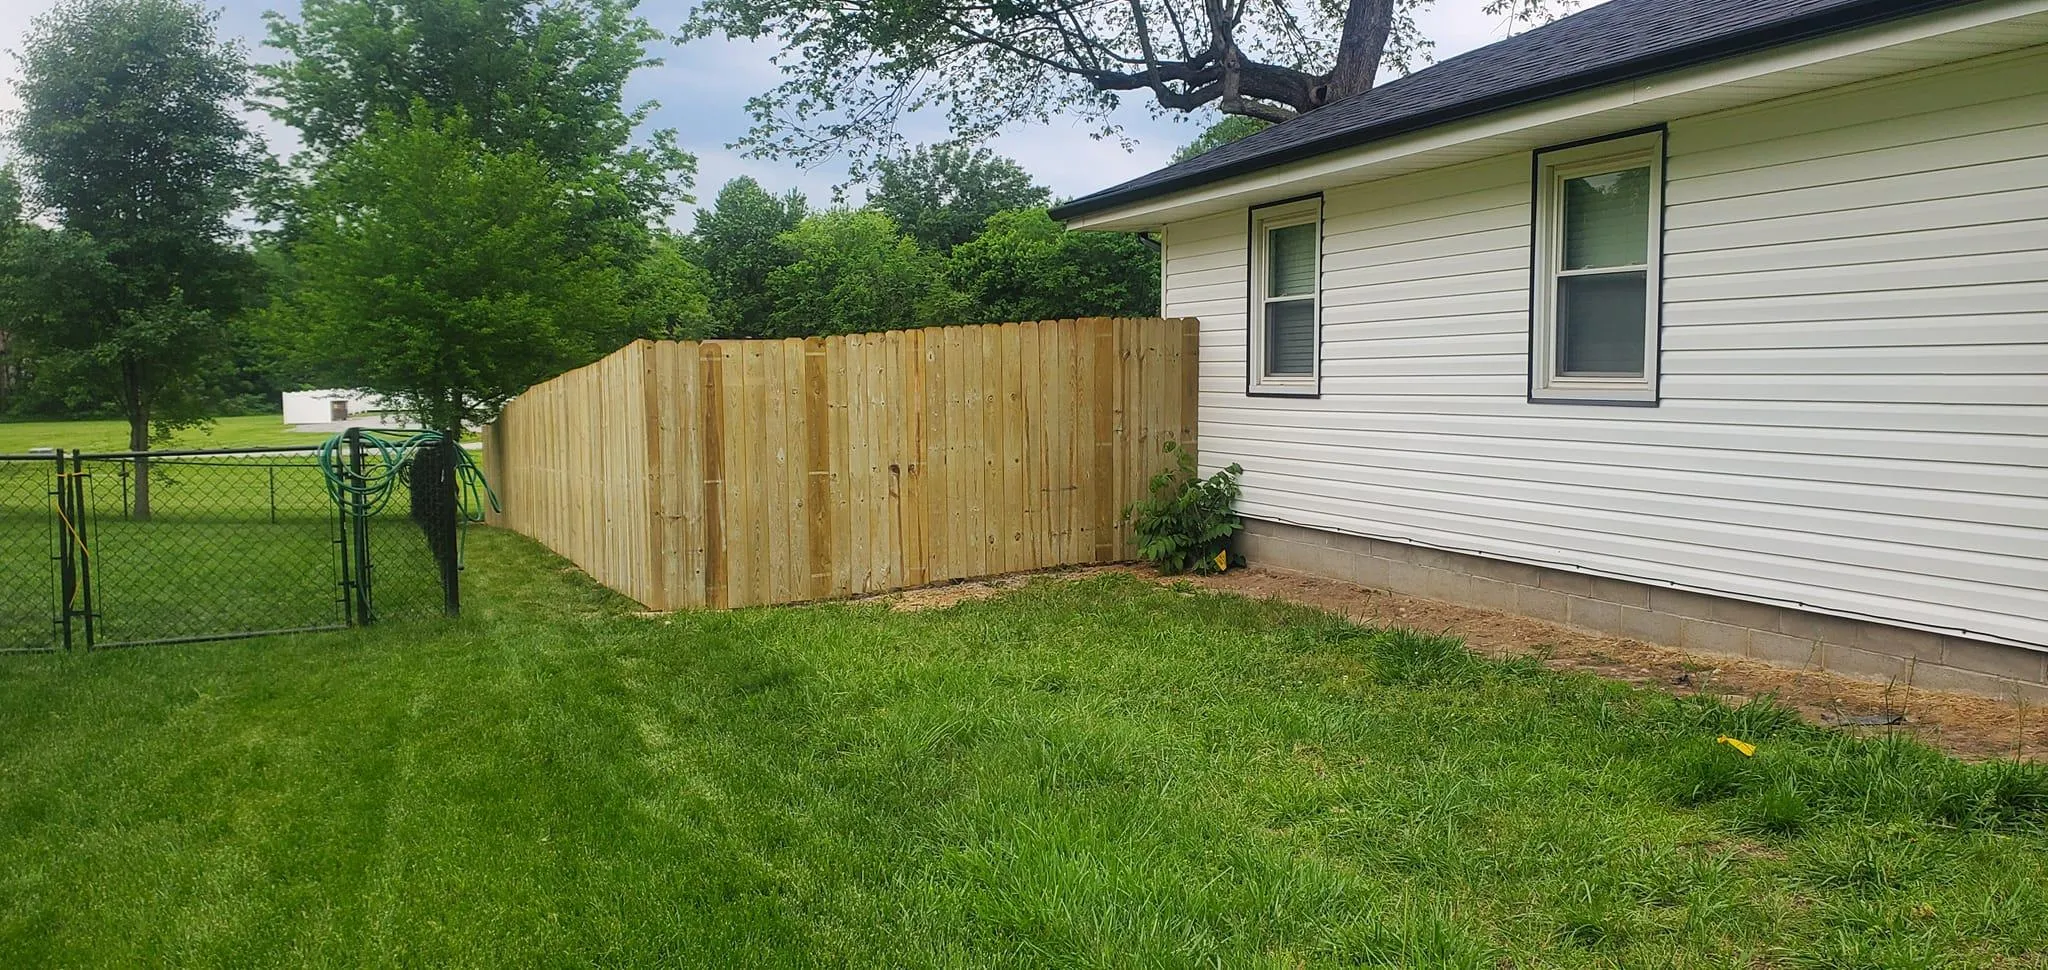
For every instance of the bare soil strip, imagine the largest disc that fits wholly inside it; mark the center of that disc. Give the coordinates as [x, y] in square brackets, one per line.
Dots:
[1966, 725]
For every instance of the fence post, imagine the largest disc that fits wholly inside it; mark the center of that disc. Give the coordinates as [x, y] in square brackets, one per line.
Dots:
[82, 528]
[359, 515]
[67, 565]
[342, 544]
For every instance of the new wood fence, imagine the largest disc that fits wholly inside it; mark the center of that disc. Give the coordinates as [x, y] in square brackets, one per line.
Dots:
[732, 473]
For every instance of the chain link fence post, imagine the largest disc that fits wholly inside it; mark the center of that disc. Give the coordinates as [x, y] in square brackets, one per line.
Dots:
[359, 524]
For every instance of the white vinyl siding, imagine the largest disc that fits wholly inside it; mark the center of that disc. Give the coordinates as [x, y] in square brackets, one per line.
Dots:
[1854, 364]
[1205, 264]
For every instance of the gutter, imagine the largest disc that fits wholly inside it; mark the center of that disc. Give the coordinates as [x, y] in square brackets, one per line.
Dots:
[1833, 21]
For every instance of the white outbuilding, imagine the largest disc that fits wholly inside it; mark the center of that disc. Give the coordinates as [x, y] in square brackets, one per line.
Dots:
[339, 408]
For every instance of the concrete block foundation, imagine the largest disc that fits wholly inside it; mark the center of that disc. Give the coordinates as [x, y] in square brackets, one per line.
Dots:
[1688, 620]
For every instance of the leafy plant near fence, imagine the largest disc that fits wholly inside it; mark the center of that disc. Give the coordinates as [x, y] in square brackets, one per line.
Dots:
[1187, 522]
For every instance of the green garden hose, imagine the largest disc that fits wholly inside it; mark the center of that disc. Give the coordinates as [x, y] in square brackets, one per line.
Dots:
[368, 492]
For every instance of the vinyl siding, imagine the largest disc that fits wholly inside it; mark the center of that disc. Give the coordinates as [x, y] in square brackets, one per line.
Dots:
[1854, 368]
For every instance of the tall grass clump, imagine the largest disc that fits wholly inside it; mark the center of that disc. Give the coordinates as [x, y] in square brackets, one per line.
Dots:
[1802, 774]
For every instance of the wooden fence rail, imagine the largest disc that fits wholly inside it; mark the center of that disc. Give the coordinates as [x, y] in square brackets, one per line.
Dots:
[742, 472]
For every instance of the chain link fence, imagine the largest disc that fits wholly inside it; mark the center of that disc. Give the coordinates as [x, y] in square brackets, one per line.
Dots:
[201, 546]
[126, 549]
[29, 581]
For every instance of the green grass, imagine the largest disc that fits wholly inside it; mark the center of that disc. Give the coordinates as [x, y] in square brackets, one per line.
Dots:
[1094, 773]
[250, 431]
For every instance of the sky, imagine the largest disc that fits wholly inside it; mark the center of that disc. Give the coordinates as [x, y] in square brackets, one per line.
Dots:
[702, 89]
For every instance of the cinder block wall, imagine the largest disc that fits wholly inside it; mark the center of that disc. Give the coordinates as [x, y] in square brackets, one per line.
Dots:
[1678, 618]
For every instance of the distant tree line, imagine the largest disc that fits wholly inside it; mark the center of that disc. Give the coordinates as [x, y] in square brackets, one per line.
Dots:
[950, 234]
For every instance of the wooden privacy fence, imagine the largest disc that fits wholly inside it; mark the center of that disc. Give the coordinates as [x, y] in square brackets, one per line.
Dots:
[741, 472]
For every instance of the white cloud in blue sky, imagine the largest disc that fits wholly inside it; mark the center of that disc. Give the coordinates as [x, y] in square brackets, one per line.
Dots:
[703, 86]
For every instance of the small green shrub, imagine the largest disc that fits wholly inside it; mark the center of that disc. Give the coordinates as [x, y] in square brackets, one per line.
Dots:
[1187, 521]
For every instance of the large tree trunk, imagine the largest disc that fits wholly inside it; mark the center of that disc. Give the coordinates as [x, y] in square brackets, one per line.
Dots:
[138, 440]
[1360, 48]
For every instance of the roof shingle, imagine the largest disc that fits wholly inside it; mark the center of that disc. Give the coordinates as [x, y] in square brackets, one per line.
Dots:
[1615, 41]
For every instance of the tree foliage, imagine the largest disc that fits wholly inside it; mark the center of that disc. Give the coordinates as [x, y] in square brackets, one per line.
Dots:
[13, 202]
[852, 68]
[850, 271]
[669, 295]
[472, 211]
[135, 155]
[1024, 266]
[738, 242]
[13, 212]
[940, 195]
[441, 273]
[1231, 128]
[545, 76]
[74, 314]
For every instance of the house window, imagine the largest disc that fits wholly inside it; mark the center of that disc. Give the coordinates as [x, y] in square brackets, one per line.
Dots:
[1599, 226]
[1287, 240]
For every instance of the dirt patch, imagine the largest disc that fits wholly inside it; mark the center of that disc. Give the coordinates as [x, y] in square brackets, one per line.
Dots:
[947, 594]
[1965, 725]
[940, 597]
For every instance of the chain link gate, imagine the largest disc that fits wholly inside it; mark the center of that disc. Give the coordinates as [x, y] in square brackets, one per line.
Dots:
[31, 588]
[126, 548]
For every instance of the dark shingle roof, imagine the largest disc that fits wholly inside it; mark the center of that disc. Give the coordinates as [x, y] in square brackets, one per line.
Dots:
[1615, 41]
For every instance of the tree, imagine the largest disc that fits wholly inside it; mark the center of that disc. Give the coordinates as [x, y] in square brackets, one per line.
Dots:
[670, 296]
[546, 76]
[851, 271]
[737, 243]
[13, 204]
[440, 273]
[941, 195]
[1230, 129]
[12, 222]
[853, 67]
[131, 143]
[1025, 266]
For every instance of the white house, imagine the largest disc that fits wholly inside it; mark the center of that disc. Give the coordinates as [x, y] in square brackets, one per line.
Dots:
[1720, 324]
[340, 408]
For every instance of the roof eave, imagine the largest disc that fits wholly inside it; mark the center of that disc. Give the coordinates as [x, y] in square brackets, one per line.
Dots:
[1736, 44]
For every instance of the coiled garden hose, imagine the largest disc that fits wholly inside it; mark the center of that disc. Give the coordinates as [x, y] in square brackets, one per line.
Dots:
[368, 492]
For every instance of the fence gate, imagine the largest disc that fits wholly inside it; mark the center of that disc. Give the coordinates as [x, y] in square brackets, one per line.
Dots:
[127, 548]
[31, 589]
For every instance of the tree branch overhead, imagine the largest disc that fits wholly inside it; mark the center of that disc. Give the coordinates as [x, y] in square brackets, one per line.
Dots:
[851, 68]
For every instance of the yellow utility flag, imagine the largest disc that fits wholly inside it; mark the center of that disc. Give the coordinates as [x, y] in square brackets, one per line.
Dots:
[1223, 561]
[1748, 750]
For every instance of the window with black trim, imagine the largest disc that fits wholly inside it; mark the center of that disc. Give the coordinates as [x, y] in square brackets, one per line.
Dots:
[1599, 226]
[1286, 266]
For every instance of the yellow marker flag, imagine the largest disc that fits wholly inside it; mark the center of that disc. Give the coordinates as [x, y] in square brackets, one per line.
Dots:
[1223, 561]
[1748, 750]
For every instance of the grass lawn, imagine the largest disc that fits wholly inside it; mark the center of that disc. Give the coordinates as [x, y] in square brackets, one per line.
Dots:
[255, 430]
[1092, 773]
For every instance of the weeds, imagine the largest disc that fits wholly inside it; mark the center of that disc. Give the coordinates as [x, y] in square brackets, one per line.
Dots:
[1186, 521]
